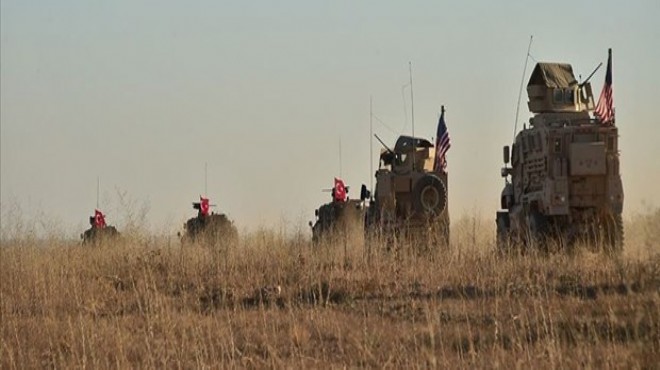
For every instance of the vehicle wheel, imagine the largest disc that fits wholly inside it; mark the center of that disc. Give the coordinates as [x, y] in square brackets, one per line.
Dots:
[430, 196]
[538, 230]
[503, 224]
[613, 233]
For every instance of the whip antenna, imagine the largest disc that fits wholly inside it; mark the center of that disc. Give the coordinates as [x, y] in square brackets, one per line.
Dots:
[522, 81]
[412, 113]
[371, 143]
[340, 157]
[98, 187]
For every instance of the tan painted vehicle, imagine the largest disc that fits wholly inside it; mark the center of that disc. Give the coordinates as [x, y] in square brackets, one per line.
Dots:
[341, 219]
[410, 199]
[565, 184]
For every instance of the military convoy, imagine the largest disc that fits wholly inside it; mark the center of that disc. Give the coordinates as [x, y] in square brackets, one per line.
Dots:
[565, 184]
[562, 182]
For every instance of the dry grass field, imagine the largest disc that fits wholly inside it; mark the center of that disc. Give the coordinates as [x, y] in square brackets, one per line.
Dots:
[146, 304]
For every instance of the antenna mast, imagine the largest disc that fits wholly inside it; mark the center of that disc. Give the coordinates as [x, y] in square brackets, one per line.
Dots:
[371, 143]
[98, 187]
[412, 113]
[339, 156]
[522, 81]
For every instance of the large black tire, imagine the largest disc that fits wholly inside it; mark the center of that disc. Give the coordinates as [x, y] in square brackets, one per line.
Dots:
[429, 196]
[538, 231]
[504, 240]
[613, 233]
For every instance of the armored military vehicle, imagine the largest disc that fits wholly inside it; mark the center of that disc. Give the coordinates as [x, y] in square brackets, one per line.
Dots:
[564, 176]
[98, 231]
[410, 199]
[340, 219]
[209, 228]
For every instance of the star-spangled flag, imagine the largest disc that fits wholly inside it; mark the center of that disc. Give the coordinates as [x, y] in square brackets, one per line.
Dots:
[604, 109]
[442, 144]
[339, 192]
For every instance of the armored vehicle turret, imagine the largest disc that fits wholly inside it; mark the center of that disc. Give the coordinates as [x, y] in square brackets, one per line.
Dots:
[563, 182]
[209, 228]
[410, 199]
[340, 219]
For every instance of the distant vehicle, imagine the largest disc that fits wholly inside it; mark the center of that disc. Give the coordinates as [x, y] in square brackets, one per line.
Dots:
[339, 219]
[209, 228]
[98, 232]
[565, 183]
[410, 199]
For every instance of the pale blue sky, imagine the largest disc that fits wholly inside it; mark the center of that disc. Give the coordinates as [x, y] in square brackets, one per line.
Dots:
[142, 94]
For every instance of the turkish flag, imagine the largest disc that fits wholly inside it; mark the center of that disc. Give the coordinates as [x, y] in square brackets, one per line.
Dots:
[204, 206]
[340, 191]
[99, 219]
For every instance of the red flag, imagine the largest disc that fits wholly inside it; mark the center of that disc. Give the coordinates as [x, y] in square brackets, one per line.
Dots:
[604, 109]
[204, 205]
[339, 193]
[99, 219]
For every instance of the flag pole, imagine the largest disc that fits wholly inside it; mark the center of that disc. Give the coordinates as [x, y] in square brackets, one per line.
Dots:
[412, 113]
[340, 175]
[371, 143]
[98, 187]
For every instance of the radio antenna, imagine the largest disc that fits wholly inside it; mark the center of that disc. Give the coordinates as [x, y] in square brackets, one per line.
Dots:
[412, 113]
[522, 81]
[206, 177]
[371, 143]
[98, 187]
[340, 157]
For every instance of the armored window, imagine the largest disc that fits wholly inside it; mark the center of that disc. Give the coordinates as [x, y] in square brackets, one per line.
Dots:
[558, 96]
[569, 96]
[557, 145]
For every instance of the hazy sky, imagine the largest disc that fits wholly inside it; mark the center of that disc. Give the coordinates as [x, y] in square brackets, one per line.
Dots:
[143, 93]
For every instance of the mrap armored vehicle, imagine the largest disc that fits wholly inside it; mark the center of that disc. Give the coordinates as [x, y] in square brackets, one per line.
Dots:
[410, 199]
[209, 228]
[565, 185]
[339, 220]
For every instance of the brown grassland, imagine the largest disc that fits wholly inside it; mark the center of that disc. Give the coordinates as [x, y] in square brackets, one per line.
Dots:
[147, 303]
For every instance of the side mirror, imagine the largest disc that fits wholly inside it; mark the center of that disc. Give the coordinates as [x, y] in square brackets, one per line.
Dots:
[82, 236]
[507, 154]
[310, 224]
[316, 213]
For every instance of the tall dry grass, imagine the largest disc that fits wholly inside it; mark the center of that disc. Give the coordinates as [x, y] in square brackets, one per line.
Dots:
[144, 302]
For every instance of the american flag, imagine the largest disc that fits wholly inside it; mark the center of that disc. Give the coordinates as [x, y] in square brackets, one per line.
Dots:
[442, 144]
[604, 109]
